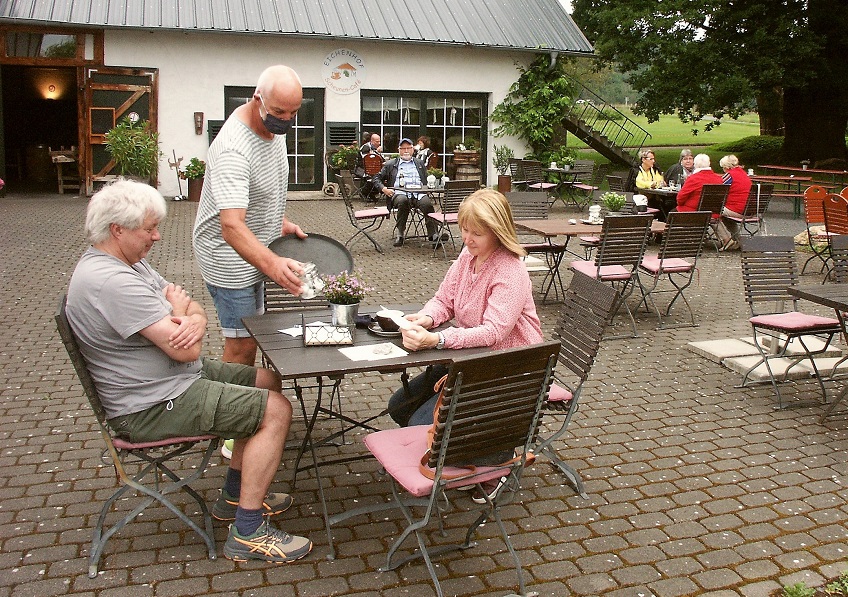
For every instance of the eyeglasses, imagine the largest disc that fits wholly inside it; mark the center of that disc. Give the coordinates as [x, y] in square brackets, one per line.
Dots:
[649, 159]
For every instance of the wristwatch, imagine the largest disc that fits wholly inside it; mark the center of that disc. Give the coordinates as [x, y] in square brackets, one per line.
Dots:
[441, 343]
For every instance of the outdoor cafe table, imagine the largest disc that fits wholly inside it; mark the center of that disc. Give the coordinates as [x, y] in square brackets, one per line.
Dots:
[786, 186]
[294, 361]
[560, 227]
[657, 198]
[834, 296]
[834, 174]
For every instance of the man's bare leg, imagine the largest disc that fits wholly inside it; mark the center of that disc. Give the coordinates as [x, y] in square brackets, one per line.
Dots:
[240, 350]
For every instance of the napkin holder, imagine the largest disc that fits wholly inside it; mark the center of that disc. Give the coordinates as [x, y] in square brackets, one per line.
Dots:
[326, 334]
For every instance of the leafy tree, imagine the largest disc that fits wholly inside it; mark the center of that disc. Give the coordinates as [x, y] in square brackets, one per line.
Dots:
[720, 57]
[536, 104]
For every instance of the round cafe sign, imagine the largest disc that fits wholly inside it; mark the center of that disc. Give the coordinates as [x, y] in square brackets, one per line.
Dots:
[343, 71]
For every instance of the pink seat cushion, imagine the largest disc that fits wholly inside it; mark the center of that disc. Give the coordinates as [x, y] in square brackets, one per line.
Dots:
[559, 394]
[653, 263]
[542, 185]
[593, 240]
[794, 322]
[608, 272]
[122, 444]
[444, 218]
[585, 187]
[399, 451]
[376, 212]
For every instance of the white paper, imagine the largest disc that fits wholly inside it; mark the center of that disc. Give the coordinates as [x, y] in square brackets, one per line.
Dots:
[373, 352]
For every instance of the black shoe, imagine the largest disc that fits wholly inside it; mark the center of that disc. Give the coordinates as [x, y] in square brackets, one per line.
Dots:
[398, 241]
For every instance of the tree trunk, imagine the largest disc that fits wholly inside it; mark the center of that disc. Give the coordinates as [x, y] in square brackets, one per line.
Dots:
[815, 118]
[770, 109]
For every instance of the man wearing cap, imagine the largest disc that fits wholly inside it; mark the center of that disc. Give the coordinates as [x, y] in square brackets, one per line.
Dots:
[414, 174]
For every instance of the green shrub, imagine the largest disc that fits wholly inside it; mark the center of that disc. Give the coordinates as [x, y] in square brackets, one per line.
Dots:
[563, 156]
[759, 149]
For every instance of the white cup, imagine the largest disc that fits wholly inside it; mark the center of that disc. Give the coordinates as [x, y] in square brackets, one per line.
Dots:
[553, 165]
[750, 171]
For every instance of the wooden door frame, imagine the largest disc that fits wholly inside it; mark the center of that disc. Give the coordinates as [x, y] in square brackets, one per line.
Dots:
[86, 139]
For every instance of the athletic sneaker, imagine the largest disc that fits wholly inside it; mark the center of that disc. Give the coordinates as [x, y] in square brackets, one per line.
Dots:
[267, 543]
[225, 507]
[227, 448]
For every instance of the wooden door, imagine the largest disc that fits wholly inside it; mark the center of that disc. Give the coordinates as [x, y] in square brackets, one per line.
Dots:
[111, 94]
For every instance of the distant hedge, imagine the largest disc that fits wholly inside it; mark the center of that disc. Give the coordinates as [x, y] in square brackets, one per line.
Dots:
[758, 149]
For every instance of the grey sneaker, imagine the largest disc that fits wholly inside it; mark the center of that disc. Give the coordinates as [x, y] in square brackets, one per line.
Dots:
[275, 503]
[267, 543]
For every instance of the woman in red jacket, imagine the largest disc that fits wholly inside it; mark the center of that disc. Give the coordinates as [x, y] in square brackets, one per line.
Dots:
[690, 194]
[740, 186]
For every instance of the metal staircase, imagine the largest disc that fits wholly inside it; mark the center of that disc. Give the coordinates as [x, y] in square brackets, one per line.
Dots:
[618, 139]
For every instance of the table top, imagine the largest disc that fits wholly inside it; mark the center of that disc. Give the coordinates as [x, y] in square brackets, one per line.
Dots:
[776, 178]
[829, 295]
[292, 360]
[801, 169]
[560, 227]
[665, 191]
[423, 189]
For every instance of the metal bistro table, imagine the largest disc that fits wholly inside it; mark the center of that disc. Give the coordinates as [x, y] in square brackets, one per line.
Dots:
[560, 227]
[294, 361]
[834, 296]
[657, 199]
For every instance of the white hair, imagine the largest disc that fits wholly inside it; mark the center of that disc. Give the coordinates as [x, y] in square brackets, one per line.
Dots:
[728, 162]
[702, 160]
[125, 203]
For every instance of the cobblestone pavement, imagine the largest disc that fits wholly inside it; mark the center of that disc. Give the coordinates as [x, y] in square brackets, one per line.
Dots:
[695, 487]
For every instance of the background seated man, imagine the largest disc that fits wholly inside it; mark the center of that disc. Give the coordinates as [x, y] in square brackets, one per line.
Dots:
[414, 174]
[142, 336]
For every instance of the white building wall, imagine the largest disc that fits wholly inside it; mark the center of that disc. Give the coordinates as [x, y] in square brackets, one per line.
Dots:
[195, 67]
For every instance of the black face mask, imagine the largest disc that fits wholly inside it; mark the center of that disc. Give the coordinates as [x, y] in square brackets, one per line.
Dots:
[274, 125]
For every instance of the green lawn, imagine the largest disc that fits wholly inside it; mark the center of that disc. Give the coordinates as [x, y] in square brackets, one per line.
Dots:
[669, 130]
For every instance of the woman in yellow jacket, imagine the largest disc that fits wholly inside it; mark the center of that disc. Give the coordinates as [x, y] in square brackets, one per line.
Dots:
[648, 176]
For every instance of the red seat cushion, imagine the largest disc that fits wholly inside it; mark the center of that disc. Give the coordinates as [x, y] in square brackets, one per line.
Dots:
[375, 212]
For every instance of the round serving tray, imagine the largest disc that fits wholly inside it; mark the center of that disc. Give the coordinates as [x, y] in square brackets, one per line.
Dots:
[329, 255]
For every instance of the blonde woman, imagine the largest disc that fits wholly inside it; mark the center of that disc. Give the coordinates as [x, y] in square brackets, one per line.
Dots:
[486, 292]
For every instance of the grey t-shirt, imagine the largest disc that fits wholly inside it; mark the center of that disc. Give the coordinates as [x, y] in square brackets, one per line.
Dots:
[108, 303]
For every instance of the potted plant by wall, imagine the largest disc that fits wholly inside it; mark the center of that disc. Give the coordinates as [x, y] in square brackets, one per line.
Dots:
[135, 149]
[503, 155]
[194, 172]
[344, 158]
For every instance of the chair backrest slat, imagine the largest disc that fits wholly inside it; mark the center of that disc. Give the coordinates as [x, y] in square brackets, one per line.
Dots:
[758, 200]
[713, 197]
[616, 183]
[768, 270]
[526, 205]
[455, 192]
[623, 240]
[835, 214]
[498, 398]
[814, 197]
[839, 254]
[532, 171]
[69, 339]
[684, 234]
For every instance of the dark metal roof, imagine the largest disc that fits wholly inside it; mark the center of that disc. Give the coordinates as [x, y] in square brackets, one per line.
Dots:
[531, 25]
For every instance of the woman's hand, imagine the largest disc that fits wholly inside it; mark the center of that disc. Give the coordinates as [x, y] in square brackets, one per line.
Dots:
[425, 321]
[417, 338]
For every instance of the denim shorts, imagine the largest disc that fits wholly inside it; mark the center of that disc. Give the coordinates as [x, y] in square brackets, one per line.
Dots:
[234, 303]
[223, 402]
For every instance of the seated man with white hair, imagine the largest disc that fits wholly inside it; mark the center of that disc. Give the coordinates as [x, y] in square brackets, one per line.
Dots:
[690, 194]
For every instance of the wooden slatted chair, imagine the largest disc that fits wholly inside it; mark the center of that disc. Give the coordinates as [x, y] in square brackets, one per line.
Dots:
[526, 205]
[455, 192]
[491, 407]
[768, 269]
[836, 224]
[364, 220]
[155, 462]
[712, 200]
[623, 242]
[753, 215]
[586, 311]
[616, 183]
[814, 197]
[532, 170]
[676, 261]
[516, 172]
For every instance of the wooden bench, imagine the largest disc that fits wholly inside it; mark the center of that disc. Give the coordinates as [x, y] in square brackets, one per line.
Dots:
[68, 179]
